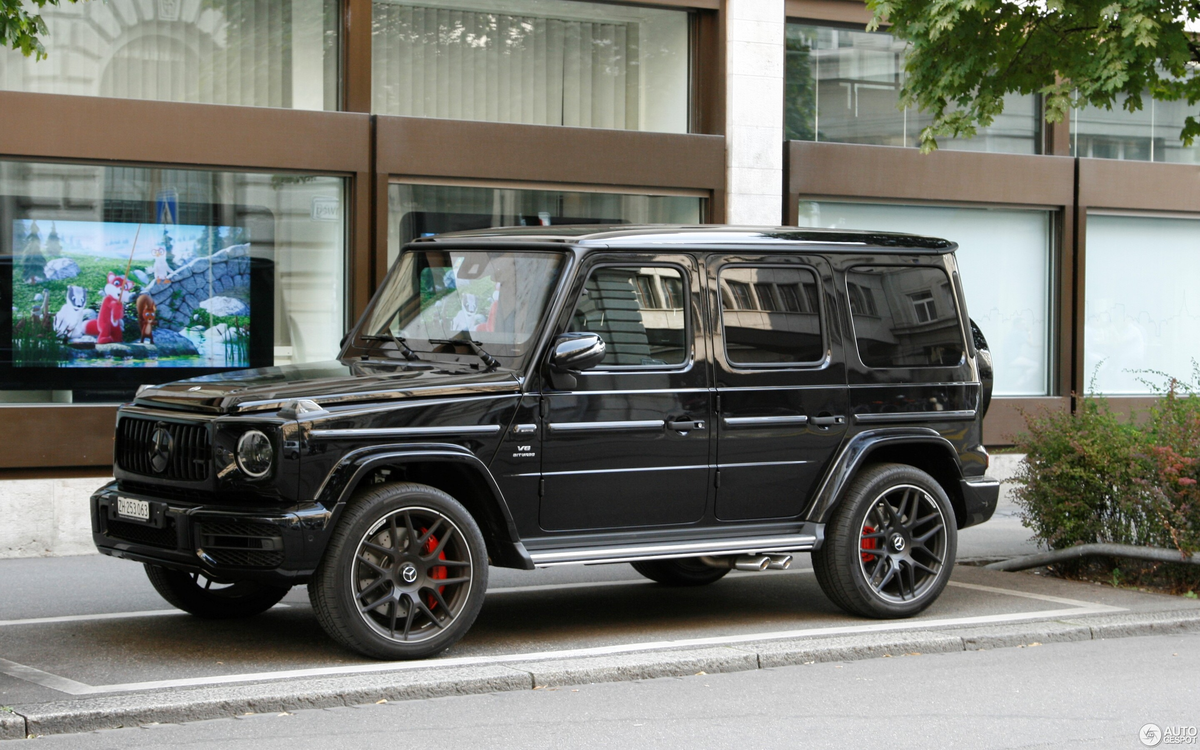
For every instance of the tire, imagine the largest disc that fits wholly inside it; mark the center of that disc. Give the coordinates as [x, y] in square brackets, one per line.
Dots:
[404, 574]
[211, 599]
[687, 571]
[890, 545]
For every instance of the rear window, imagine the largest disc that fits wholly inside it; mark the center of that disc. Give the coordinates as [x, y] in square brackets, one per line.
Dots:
[904, 316]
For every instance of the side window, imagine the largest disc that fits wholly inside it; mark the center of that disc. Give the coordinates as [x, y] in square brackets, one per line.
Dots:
[639, 312]
[904, 316]
[770, 315]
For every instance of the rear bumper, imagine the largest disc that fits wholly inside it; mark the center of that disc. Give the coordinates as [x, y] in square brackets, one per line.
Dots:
[264, 544]
[980, 496]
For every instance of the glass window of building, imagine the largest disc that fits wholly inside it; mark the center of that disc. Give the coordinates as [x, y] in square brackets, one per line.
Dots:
[1005, 259]
[843, 86]
[540, 62]
[424, 210]
[117, 276]
[1149, 134]
[1141, 301]
[259, 53]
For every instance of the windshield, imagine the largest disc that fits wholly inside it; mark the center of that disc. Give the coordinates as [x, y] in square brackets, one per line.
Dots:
[495, 298]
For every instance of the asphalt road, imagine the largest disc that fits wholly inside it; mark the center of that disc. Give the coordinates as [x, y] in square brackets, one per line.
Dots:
[1094, 694]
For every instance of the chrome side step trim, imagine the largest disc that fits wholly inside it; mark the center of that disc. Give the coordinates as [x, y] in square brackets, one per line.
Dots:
[405, 432]
[794, 419]
[915, 416]
[636, 424]
[752, 545]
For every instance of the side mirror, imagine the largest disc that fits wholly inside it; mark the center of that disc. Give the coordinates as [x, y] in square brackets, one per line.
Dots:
[573, 353]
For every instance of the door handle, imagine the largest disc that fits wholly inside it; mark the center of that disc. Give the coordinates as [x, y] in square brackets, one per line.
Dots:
[685, 426]
[827, 421]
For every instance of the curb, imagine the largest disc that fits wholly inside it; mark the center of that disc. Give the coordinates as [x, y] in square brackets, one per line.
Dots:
[12, 726]
[117, 711]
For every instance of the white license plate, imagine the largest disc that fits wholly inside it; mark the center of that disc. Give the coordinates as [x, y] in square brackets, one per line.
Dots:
[130, 508]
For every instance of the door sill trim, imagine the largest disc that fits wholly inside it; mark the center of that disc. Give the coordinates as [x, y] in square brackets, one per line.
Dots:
[633, 553]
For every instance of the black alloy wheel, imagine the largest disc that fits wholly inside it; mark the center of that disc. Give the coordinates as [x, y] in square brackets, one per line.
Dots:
[890, 545]
[688, 571]
[404, 574]
[210, 598]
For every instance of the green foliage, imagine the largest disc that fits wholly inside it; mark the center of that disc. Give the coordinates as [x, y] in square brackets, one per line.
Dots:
[1093, 477]
[21, 29]
[967, 54]
[800, 98]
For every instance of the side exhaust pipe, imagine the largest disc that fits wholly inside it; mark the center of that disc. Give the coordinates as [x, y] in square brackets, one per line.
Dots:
[779, 562]
[740, 562]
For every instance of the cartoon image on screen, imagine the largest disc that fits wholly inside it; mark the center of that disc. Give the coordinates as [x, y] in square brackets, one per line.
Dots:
[116, 294]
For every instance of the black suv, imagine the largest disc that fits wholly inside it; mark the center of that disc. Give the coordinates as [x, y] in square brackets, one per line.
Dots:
[687, 399]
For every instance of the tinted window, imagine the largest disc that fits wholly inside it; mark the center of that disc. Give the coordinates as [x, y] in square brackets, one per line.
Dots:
[770, 315]
[639, 312]
[904, 317]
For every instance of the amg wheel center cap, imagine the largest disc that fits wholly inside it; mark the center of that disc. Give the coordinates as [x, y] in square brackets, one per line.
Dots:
[408, 573]
[897, 542]
[160, 449]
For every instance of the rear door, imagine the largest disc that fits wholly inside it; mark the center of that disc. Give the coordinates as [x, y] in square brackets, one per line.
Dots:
[780, 381]
[629, 445]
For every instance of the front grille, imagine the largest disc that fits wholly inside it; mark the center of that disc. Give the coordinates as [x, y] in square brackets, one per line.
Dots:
[190, 455]
[242, 543]
[139, 534]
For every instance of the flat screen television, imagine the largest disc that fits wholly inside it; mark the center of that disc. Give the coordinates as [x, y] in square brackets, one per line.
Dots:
[99, 306]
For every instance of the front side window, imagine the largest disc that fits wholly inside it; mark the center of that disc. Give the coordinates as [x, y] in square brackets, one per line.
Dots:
[256, 53]
[495, 298]
[913, 327]
[538, 62]
[622, 306]
[783, 327]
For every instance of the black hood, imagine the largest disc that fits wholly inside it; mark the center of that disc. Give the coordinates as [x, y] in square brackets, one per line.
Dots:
[327, 383]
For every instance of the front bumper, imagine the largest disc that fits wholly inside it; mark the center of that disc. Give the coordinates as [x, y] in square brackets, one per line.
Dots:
[980, 496]
[262, 544]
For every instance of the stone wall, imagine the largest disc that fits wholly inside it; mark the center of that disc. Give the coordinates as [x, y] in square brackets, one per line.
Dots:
[189, 286]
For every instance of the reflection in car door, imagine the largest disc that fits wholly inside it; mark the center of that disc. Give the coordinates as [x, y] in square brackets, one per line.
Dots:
[629, 445]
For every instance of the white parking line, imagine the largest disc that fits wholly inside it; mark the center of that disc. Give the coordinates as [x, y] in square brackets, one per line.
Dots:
[77, 688]
[103, 616]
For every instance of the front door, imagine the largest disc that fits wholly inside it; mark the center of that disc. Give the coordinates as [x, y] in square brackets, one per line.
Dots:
[629, 445]
[781, 385]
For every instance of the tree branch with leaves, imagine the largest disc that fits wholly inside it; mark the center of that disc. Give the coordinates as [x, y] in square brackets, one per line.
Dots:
[966, 55]
[22, 29]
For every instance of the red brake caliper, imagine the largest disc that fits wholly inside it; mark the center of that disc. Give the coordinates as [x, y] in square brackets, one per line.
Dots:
[871, 543]
[438, 572]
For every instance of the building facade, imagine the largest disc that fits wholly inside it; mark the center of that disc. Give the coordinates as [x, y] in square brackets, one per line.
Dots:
[254, 166]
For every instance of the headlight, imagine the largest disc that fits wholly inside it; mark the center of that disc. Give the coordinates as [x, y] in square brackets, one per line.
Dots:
[254, 454]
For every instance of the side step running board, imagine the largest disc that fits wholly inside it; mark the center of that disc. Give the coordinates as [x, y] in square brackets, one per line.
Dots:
[711, 548]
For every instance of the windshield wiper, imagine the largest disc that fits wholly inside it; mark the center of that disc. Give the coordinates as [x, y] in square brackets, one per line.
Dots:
[475, 347]
[408, 353]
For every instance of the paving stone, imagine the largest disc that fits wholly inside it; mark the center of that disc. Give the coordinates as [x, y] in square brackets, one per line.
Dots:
[12, 726]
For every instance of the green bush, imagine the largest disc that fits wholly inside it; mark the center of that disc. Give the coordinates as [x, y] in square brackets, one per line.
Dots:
[1094, 476]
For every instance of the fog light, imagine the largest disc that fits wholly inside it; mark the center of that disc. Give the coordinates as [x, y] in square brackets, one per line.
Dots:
[254, 454]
